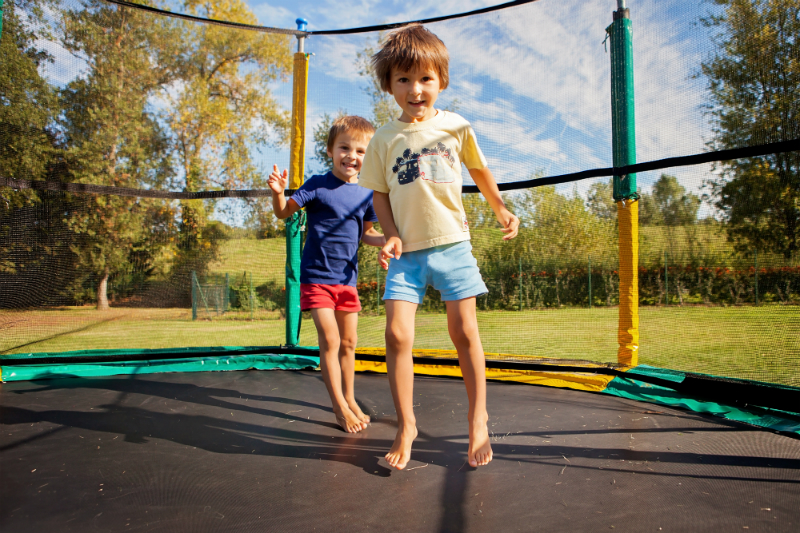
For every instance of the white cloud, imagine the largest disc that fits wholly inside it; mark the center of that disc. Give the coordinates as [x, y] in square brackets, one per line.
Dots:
[276, 17]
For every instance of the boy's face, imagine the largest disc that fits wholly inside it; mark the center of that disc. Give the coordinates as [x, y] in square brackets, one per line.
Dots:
[415, 92]
[348, 154]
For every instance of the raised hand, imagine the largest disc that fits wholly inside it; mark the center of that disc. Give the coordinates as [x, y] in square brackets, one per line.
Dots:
[277, 181]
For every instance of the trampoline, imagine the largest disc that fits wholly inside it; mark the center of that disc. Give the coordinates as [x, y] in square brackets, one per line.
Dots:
[120, 418]
[259, 451]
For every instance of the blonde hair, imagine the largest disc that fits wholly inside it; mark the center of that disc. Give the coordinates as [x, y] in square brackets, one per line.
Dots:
[409, 48]
[354, 125]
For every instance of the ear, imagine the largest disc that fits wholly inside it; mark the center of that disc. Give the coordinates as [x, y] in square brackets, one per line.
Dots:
[327, 151]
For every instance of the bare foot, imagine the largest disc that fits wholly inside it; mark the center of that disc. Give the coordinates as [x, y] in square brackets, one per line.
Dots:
[480, 449]
[400, 453]
[348, 420]
[358, 412]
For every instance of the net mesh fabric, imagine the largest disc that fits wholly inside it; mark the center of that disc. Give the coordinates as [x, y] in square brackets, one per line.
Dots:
[534, 83]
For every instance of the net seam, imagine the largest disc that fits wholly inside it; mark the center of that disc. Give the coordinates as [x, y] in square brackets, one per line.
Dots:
[690, 160]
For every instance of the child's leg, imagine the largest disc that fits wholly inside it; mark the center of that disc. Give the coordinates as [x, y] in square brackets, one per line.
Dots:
[400, 367]
[328, 337]
[348, 339]
[462, 323]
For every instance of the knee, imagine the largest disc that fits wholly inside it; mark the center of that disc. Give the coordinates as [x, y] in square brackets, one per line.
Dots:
[328, 341]
[464, 335]
[348, 343]
[395, 338]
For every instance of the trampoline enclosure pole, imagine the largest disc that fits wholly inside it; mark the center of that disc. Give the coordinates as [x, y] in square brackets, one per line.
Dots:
[294, 224]
[1, 18]
[624, 153]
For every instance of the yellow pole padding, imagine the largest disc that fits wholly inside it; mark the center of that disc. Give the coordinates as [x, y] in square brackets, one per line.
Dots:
[628, 335]
[298, 131]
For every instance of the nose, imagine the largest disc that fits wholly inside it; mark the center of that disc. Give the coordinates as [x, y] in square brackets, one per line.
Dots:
[416, 88]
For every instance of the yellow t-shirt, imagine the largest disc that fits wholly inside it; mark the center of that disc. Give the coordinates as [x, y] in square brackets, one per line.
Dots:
[419, 166]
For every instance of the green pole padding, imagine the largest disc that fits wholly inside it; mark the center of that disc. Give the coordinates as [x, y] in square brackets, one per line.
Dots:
[622, 114]
[295, 225]
[1, 18]
[194, 295]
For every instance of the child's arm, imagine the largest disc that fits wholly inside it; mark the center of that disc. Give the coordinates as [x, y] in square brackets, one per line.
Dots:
[488, 186]
[371, 236]
[277, 182]
[394, 246]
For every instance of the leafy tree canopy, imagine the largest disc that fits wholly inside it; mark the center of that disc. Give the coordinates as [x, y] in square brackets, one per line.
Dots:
[754, 89]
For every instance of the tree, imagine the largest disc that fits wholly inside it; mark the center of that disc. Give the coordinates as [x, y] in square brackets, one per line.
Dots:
[559, 230]
[220, 113]
[384, 108]
[110, 136]
[320, 137]
[28, 104]
[600, 200]
[676, 207]
[754, 89]
[28, 148]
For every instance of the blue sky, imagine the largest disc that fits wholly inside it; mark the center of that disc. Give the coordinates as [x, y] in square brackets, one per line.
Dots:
[533, 80]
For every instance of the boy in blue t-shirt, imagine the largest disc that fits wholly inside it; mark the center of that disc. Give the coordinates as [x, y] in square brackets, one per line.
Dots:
[340, 214]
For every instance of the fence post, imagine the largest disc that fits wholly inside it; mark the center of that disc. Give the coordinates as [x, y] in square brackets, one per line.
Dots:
[666, 280]
[226, 295]
[755, 255]
[194, 295]
[520, 283]
[378, 287]
[252, 298]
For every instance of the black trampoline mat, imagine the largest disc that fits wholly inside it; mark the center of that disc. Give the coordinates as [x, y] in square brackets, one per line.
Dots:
[258, 451]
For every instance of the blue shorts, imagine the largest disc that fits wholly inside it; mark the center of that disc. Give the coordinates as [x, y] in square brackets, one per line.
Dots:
[451, 269]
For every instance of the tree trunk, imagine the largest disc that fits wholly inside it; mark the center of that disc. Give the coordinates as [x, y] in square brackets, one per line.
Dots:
[102, 293]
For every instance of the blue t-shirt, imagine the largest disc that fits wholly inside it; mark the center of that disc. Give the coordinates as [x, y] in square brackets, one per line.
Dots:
[335, 212]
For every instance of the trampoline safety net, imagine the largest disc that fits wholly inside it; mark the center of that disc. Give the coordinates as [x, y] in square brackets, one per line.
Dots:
[135, 150]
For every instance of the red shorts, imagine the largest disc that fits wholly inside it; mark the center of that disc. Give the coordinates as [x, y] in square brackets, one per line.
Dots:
[336, 297]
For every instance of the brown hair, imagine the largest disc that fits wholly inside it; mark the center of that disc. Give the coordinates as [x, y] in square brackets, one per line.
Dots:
[349, 124]
[408, 48]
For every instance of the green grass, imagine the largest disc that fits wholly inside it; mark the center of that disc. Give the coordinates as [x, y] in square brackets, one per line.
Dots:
[264, 258]
[760, 343]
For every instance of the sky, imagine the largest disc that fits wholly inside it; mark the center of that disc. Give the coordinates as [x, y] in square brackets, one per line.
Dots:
[533, 80]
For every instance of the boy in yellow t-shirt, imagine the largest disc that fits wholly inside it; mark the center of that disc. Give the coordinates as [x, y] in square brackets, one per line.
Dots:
[413, 165]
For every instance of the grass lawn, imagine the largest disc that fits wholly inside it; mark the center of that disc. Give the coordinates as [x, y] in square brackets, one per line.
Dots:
[761, 343]
[264, 258]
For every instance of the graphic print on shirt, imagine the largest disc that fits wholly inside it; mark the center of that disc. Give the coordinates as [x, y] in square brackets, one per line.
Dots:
[432, 164]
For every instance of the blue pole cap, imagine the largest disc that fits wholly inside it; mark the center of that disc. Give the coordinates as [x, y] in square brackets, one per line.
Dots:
[301, 24]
